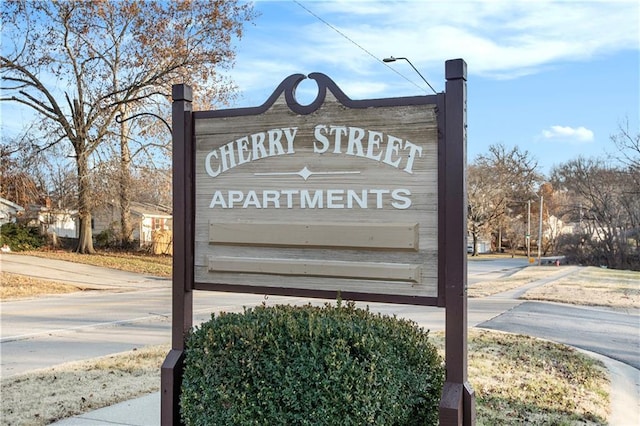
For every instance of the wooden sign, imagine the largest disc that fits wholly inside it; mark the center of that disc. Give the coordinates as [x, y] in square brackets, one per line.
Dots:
[340, 199]
[365, 200]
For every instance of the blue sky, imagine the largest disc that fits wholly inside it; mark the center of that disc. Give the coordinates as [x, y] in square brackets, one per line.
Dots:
[556, 78]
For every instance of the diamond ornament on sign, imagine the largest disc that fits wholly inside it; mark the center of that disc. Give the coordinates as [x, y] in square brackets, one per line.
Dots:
[305, 173]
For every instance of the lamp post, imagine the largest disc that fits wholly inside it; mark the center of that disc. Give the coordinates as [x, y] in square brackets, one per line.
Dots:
[392, 59]
[120, 119]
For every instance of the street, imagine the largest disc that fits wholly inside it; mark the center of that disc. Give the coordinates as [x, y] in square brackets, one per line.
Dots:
[598, 330]
[126, 311]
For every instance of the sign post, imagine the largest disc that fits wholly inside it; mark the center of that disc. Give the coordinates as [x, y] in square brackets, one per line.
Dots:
[182, 300]
[362, 199]
[457, 405]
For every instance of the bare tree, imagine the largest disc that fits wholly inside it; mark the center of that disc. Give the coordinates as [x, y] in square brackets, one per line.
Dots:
[562, 210]
[627, 146]
[494, 181]
[481, 213]
[609, 197]
[78, 64]
[628, 153]
[21, 181]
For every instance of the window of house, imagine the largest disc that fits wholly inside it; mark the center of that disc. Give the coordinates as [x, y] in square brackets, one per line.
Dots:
[158, 223]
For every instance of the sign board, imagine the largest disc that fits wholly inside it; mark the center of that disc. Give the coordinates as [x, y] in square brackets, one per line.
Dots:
[359, 199]
[340, 199]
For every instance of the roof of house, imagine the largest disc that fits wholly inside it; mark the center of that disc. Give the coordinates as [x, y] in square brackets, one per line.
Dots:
[149, 210]
[11, 205]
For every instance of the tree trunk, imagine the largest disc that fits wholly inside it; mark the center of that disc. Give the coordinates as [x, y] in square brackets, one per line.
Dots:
[85, 239]
[126, 229]
[474, 235]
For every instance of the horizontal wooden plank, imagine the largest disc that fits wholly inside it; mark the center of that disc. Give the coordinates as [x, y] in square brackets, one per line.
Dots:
[389, 236]
[308, 267]
[357, 295]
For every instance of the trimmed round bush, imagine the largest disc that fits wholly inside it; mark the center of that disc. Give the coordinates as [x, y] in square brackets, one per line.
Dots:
[331, 365]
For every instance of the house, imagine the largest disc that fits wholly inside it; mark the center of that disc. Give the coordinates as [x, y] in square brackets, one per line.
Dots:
[484, 245]
[147, 219]
[59, 222]
[9, 211]
[554, 226]
[53, 221]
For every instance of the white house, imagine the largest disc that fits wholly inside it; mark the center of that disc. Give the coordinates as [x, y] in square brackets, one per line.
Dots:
[51, 220]
[9, 211]
[62, 223]
[146, 220]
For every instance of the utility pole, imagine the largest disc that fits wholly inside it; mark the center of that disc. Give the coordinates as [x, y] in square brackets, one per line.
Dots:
[528, 230]
[540, 235]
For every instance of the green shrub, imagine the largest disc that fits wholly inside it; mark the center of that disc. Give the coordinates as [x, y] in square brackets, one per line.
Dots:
[331, 365]
[105, 238]
[20, 237]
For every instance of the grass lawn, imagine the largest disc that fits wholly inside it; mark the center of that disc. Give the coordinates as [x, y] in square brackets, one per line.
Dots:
[159, 266]
[516, 378]
[17, 286]
[592, 286]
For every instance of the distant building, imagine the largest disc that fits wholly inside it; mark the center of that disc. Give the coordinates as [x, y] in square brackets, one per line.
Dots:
[53, 221]
[554, 226]
[61, 222]
[147, 219]
[484, 245]
[9, 211]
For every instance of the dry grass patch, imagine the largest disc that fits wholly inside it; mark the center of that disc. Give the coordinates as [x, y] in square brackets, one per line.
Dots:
[517, 379]
[593, 287]
[45, 396]
[520, 278]
[158, 266]
[523, 380]
[14, 286]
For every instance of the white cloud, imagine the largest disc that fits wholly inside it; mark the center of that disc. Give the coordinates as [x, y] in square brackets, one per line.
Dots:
[570, 134]
[497, 38]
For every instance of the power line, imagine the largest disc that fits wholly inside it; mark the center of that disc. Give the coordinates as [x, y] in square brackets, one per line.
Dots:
[359, 46]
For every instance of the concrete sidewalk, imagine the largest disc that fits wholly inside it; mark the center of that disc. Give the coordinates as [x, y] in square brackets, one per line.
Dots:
[145, 411]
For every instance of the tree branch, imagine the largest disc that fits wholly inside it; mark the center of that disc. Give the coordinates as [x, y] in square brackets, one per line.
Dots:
[30, 105]
[34, 82]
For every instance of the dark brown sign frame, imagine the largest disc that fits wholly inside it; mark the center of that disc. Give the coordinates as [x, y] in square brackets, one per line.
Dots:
[457, 404]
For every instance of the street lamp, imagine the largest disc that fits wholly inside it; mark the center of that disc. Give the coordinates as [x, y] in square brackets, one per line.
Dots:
[120, 119]
[392, 59]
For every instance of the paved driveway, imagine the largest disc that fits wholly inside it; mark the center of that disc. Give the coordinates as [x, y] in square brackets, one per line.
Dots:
[605, 332]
